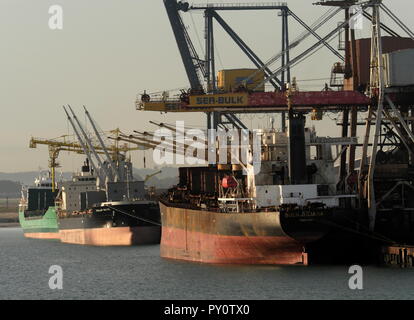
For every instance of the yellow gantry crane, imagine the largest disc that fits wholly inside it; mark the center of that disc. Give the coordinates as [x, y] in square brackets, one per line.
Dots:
[63, 143]
[86, 144]
[54, 148]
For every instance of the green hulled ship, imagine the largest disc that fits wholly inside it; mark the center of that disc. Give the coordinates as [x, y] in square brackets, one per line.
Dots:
[37, 215]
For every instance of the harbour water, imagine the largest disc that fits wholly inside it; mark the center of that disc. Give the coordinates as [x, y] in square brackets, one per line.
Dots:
[139, 273]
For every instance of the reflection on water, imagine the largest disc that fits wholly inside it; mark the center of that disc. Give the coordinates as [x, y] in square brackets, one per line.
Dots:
[139, 273]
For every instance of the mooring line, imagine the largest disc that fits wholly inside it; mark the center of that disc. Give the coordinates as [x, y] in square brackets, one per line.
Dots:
[145, 220]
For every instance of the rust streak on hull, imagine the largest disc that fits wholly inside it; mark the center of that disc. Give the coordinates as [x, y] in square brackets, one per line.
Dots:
[224, 238]
[218, 249]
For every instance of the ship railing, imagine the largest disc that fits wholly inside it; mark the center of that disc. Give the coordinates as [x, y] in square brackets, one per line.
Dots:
[275, 5]
[167, 100]
[236, 204]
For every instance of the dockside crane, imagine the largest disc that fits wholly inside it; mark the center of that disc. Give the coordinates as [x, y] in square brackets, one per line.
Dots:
[108, 168]
[192, 63]
[63, 143]
[168, 147]
[55, 147]
[196, 68]
[106, 174]
[388, 109]
[82, 143]
[102, 144]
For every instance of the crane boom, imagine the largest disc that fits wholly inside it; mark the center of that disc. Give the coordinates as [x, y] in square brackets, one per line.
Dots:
[182, 40]
[85, 149]
[89, 143]
[114, 171]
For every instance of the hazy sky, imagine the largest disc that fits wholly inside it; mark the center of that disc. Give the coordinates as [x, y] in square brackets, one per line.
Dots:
[108, 51]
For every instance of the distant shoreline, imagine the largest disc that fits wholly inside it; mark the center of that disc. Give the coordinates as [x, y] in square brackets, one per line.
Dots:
[9, 224]
[9, 219]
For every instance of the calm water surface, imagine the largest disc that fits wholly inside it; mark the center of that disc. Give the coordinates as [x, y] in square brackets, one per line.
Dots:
[139, 273]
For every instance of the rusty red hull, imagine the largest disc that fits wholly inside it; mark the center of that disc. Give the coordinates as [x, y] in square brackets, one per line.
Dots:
[227, 238]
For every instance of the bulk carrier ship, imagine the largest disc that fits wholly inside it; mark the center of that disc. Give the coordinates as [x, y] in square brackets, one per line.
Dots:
[103, 204]
[116, 214]
[217, 214]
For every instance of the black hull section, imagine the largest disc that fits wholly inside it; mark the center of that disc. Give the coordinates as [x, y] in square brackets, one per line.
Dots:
[396, 225]
[346, 238]
[348, 241]
[114, 224]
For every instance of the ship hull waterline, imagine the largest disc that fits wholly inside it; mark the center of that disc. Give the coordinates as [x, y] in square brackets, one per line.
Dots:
[227, 238]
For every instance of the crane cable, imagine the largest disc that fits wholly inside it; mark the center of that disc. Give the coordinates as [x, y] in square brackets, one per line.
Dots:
[328, 15]
[397, 20]
[304, 55]
[196, 32]
[135, 217]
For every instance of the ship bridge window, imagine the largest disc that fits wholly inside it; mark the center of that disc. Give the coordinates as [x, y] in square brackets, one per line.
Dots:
[86, 179]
